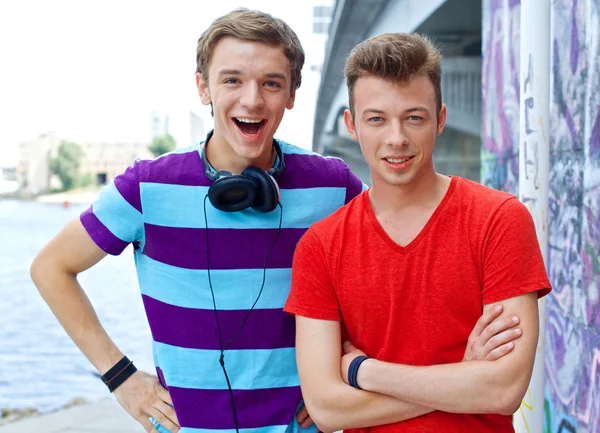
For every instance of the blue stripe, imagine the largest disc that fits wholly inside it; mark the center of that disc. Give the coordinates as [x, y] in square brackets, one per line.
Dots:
[188, 149]
[272, 429]
[117, 215]
[183, 206]
[247, 369]
[234, 289]
[294, 150]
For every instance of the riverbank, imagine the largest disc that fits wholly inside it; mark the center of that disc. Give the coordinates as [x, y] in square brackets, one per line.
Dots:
[105, 415]
[8, 416]
[84, 197]
[70, 197]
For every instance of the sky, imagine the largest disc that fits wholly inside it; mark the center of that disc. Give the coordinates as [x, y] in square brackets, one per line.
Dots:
[96, 71]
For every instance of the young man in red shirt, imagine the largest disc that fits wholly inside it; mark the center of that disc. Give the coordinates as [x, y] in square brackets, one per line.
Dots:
[405, 270]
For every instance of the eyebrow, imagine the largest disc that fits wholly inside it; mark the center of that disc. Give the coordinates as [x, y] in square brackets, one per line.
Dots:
[229, 72]
[373, 110]
[409, 110]
[276, 75]
[417, 108]
[279, 75]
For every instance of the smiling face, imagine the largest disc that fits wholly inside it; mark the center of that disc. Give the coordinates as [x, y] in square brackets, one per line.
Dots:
[249, 87]
[396, 126]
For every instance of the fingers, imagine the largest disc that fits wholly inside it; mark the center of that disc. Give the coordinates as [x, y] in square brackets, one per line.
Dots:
[148, 426]
[500, 351]
[302, 415]
[163, 420]
[485, 320]
[349, 347]
[303, 418]
[502, 339]
[498, 326]
[163, 394]
[307, 422]
[169, 412]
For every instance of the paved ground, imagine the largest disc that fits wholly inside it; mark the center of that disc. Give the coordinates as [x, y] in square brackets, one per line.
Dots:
[103, 416]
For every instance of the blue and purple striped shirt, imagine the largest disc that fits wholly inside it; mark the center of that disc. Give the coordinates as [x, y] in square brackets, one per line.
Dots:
[158, 205]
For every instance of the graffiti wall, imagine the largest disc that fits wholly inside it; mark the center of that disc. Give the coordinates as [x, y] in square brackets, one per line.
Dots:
[573, 309]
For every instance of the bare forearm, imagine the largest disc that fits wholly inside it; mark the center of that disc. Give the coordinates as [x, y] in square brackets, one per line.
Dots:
[72, 308]
[339, 406]
[468, 387]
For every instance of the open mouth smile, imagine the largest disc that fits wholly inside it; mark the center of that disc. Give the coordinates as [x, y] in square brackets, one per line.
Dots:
[249, 127]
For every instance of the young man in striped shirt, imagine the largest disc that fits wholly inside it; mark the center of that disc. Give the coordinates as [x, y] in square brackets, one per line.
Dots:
[213, 250]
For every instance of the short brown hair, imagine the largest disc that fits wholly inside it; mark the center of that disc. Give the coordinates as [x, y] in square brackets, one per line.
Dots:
[249, 25]
[395, 57]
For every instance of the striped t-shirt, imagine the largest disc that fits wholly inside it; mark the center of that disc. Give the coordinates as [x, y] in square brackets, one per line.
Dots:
[158, 205]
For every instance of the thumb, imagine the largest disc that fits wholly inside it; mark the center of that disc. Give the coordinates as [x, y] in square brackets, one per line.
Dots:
[349, 347]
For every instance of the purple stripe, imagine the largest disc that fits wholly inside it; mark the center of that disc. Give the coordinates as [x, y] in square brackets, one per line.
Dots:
[211, 408]
[161, 378]
[176, 169]
[312, 171]
[128, 185]
[303, 171]
[354, 186]
[101, 236]
[196, 328]
[228, 248]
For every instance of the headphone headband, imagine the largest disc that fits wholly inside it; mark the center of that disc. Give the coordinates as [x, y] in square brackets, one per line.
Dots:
[214, 175]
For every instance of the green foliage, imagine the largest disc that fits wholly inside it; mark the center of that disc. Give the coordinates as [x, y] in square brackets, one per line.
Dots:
[162, 144]
[83, 180]
[66, 164]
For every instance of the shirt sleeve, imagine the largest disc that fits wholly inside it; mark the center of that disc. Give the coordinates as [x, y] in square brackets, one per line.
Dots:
[115, 220]
[312, 293]
[512, 259]
[354, 186]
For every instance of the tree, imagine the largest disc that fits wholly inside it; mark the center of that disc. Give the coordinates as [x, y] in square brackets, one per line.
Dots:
[66, 164]
[162, 144]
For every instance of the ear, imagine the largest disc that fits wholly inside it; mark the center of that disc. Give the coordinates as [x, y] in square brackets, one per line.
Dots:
[290, 102]
[350, 125]
[441, 120]
[203, 89]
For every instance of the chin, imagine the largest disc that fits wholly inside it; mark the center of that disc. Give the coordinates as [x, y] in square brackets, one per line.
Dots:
[249, 150]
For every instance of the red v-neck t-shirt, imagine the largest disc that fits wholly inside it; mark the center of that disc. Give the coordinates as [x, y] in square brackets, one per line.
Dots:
[418, 304]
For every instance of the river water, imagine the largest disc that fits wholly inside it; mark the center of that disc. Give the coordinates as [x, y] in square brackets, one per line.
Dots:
[39, 365]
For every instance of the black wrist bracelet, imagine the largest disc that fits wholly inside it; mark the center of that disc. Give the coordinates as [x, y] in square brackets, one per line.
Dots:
[118, 380]
[118, 373]
[353, 370]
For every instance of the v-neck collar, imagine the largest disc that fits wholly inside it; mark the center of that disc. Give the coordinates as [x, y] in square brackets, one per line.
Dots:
[422, 234]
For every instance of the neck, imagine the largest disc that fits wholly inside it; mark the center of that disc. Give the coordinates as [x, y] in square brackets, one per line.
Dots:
[426, 190]
[222, 156]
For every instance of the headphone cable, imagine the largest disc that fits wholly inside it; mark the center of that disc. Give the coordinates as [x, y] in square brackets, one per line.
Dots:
[221, 347]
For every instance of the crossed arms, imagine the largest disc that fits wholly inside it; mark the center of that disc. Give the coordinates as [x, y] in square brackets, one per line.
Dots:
[394, 392]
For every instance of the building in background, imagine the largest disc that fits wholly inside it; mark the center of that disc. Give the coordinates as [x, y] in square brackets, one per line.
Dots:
[197, 133]
[103, 161]
[33, 169]
[159, 124]
[481, 86]
[106, 160]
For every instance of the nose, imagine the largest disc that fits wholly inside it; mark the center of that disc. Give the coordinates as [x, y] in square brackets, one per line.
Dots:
[396, 136]
[251, 96]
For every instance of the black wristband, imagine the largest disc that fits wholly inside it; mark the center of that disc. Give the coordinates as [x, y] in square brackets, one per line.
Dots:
[353, 370]
[118, 373]
[118, 380]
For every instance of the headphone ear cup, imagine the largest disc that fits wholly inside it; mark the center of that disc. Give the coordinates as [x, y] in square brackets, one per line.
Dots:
[233, 193]
[267, 195]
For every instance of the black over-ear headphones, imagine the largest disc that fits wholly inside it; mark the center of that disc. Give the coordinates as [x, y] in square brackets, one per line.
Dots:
[255, 187]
